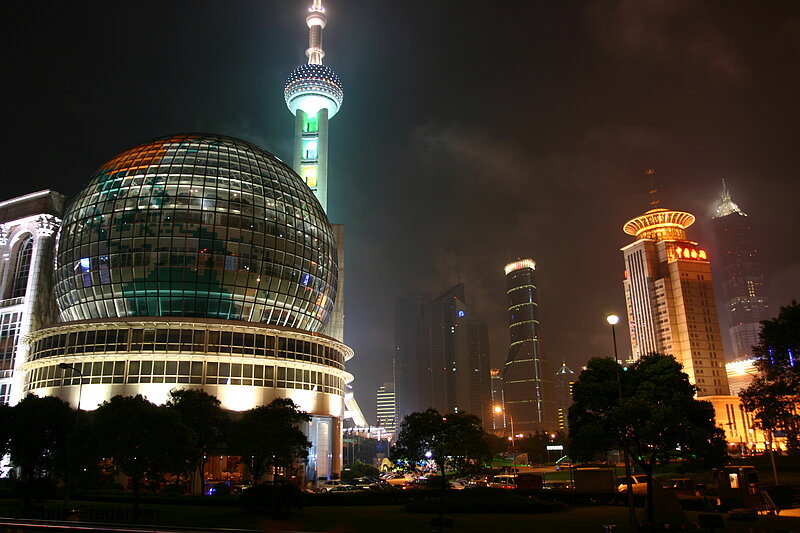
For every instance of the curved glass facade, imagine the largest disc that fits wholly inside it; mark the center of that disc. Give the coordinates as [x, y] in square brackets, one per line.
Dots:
[197, 225]
[128, 354]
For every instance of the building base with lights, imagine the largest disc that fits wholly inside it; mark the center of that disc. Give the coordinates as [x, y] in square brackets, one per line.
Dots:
[244, 365]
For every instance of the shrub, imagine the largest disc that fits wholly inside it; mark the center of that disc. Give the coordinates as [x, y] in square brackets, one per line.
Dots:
[264, 498]
[484, 500]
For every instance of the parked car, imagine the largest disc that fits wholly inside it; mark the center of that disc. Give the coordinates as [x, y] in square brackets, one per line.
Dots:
[399, 479]
[638, 483]
[686, 488]
[329, 485]
[503, 481]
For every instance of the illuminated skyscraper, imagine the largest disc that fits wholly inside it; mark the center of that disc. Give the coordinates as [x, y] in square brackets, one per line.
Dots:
[743, 284]
[313, 94]
[670, 298]
[527, 377]
[565, 379]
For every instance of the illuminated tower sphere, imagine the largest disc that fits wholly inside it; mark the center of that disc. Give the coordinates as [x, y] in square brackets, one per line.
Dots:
[527, 379]
[313, 94]
[743, 284]
[197, 225]
[670, 298]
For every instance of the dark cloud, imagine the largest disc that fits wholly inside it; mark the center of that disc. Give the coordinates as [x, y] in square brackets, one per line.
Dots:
[669, 33]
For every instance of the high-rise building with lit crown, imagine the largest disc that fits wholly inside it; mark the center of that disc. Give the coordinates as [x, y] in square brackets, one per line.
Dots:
[743, 281]
[670, 298]
[565, 379]
[527, 378]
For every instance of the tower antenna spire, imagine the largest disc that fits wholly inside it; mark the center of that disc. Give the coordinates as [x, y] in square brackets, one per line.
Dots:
[316, 22]
[654, 201]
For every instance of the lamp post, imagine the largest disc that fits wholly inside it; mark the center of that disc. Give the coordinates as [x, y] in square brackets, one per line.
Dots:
[613, 320]
[65, 366]
[498, 410]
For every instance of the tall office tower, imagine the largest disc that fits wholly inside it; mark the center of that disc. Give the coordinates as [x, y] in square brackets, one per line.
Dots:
[412, 354]
[480, 387]
[441, 356]
[386, 407]
[27, 236]
[743, 285]
[527, 377]
[498, 416]
[565, 379]
[313, 94]
[670, 298]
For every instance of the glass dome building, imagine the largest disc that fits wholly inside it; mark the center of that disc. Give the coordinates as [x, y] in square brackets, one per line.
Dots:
[196, 261]
[197, 226]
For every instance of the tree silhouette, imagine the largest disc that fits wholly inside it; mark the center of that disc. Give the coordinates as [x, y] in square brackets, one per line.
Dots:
[202, 413]
[269, 437]
[774, 395]
[37, 435]
[657, 416]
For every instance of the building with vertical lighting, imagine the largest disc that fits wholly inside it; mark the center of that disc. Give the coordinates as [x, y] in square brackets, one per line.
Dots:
[527, 376]
[670, 298]
[743, 281]
[441, 356]
[386, 407]
[28, 225]
[498, 415]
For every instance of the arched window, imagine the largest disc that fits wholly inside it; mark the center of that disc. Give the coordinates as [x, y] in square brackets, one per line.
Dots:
[22, 268]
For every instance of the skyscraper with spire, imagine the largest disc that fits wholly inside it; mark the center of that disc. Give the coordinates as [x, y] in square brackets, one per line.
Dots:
[314, 94]
[743, 285]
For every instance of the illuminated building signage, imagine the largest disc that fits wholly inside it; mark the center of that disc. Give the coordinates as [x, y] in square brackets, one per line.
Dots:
[683, 252]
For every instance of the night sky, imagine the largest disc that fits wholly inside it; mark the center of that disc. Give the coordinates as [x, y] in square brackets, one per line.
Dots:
[471, 134]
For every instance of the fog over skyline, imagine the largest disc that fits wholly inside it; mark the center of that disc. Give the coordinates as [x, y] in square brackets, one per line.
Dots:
[469, 135]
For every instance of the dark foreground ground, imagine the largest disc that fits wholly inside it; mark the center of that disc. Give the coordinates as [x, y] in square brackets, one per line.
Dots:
[381, 519]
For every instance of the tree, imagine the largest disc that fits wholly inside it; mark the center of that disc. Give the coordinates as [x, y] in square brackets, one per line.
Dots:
[202, 413]
[456, 440]
[774, 395]
[270, 437]
[142, 440]
[37, 435]
[657, 418]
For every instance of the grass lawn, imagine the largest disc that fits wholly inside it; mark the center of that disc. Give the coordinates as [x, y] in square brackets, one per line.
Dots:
[382, 519]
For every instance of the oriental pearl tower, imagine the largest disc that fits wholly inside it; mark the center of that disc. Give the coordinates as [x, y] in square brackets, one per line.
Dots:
[314, 95]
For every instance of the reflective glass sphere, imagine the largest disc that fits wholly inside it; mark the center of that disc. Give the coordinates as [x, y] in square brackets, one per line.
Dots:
[197, 225]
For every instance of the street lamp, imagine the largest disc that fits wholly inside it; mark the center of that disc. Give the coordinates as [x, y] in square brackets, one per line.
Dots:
[499, 410]
[65, 366]
[613, 320]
